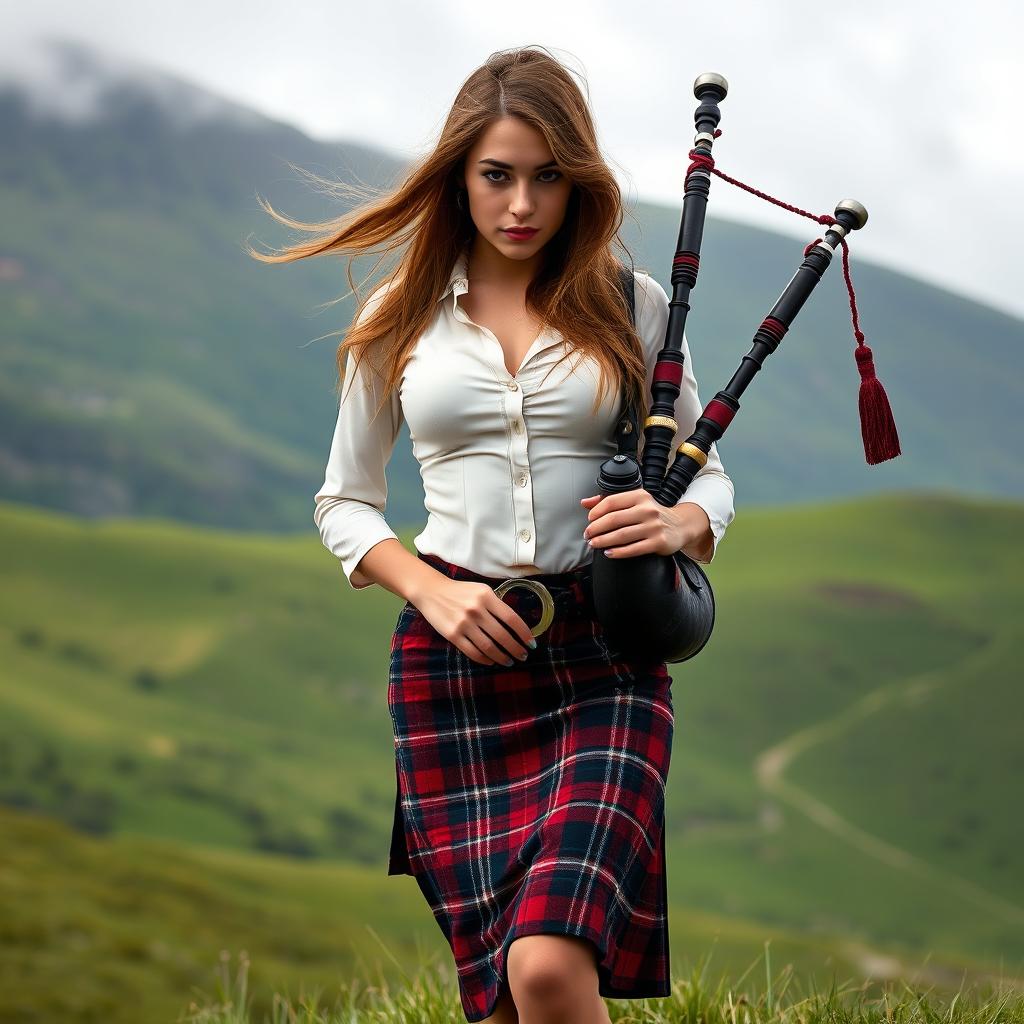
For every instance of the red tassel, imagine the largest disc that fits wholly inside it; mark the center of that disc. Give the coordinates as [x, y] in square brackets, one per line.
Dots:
[877, 427]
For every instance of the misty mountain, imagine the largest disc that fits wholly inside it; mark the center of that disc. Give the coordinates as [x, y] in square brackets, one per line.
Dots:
[149, 367]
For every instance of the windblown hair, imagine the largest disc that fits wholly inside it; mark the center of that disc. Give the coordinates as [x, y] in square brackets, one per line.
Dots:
[577, 290]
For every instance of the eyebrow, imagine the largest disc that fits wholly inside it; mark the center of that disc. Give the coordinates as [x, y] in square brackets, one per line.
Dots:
[509, 167]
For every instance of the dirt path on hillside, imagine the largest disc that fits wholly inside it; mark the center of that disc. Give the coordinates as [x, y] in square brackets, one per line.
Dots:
[878, 966]
[770, 765]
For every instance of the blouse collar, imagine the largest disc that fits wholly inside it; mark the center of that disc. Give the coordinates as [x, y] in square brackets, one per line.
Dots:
[458, 280]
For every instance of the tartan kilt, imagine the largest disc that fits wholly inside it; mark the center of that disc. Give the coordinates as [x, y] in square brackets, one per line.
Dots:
[531, 798]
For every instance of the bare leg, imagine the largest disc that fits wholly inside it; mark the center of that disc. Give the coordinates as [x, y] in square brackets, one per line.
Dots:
[554, 980]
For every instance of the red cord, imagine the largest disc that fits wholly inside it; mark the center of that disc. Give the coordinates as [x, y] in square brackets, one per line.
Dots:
[878, 428]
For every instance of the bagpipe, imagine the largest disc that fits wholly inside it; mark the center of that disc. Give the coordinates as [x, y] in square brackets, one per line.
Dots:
[662, 607]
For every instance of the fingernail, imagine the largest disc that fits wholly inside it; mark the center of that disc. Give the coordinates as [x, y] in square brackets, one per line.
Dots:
[509, 662]
[533, 644]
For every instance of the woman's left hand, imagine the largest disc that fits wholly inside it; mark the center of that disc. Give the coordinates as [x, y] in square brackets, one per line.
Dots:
[633, 523]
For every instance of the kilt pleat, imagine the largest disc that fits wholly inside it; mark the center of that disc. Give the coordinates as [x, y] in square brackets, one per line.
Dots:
[531, 799]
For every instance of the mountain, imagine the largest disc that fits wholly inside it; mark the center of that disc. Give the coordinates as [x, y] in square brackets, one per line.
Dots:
[149, 367]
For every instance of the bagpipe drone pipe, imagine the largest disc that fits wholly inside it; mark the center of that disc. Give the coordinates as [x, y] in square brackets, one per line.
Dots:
[662, 607]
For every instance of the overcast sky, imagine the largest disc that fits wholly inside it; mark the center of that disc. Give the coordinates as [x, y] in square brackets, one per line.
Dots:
[912, 108]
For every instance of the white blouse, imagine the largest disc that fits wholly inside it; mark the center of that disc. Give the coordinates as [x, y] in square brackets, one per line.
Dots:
[505, 459]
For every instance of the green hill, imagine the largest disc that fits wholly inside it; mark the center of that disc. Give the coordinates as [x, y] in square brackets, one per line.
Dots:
[148, 367]
[129, 929]
[844, 764]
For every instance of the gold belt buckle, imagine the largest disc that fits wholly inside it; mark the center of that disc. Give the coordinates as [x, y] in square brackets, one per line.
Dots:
[547, 604]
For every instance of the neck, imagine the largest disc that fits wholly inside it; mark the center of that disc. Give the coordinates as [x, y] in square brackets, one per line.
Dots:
[487, 265]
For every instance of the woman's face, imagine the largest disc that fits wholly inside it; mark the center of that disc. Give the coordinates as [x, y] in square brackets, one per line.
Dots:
[509, 184]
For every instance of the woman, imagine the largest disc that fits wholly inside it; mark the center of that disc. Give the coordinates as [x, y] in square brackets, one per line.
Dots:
[530, 771]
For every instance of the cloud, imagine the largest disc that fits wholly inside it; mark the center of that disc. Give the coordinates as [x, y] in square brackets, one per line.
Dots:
[911, 108]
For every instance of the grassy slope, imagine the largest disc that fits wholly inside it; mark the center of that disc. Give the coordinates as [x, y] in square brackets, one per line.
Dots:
[229, 692]
[125, 930]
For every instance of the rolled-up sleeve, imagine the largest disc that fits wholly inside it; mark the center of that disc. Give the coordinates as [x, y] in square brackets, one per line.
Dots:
[349, 507]
[711, 489]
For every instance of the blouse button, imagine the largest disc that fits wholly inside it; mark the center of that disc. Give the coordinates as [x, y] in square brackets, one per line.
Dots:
[522, 479]
[513, 386]
[525, 534]
[517, 426]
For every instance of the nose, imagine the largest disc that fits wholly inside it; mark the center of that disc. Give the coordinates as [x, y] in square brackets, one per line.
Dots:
[522, 204]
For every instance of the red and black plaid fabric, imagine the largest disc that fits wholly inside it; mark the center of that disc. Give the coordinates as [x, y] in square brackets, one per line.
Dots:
[531, 798]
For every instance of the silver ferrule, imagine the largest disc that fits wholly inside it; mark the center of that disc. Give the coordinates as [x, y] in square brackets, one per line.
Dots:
[711, 78]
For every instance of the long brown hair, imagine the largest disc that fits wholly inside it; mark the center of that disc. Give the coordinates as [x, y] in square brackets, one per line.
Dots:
[576, 292]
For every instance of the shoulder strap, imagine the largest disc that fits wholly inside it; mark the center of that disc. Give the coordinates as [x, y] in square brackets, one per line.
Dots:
[627, 282]
[627, 431]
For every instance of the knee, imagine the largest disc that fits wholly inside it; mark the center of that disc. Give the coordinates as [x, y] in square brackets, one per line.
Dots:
[550, 970]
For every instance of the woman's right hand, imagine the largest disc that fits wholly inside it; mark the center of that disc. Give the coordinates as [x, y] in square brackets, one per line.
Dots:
[476, 621]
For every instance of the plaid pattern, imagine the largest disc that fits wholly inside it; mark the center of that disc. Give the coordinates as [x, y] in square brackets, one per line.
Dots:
[531, 798]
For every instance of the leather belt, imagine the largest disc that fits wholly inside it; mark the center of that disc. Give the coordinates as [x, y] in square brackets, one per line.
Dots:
[562, 598]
